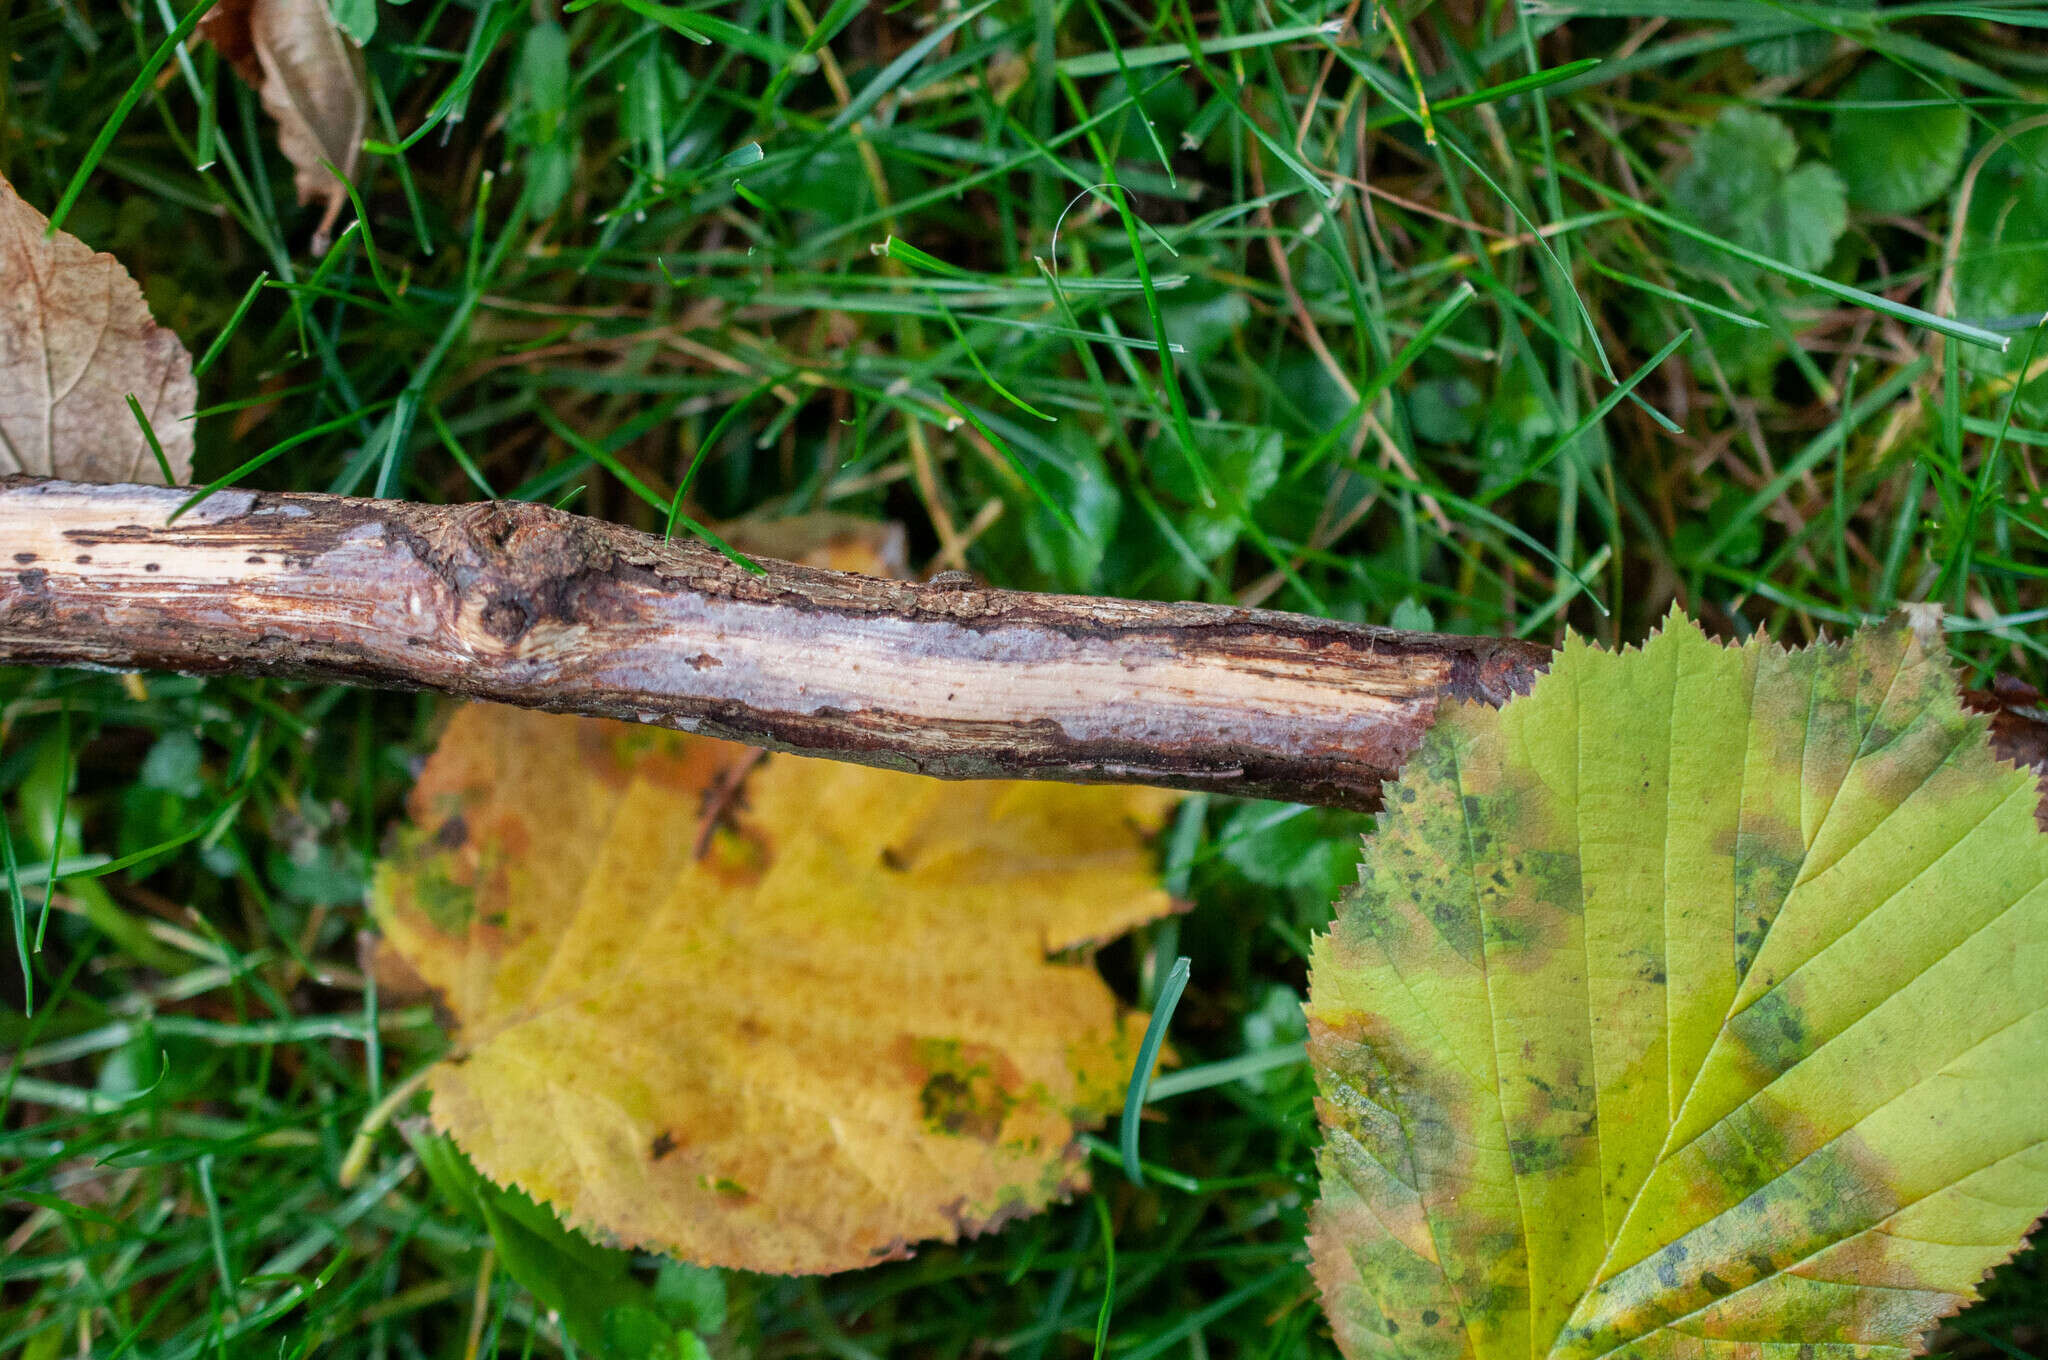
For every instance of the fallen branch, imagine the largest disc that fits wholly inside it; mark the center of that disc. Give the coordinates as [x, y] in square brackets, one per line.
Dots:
[525, 605]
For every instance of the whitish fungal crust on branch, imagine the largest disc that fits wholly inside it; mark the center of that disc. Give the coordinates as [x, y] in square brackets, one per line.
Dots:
[525, 605]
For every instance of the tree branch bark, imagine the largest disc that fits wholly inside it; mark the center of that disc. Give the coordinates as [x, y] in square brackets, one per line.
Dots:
[525, 605]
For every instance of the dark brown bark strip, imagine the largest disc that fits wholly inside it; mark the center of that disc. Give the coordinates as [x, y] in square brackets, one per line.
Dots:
[525, 605]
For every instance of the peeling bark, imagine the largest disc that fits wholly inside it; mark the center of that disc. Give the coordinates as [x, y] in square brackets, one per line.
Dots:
[525, 605]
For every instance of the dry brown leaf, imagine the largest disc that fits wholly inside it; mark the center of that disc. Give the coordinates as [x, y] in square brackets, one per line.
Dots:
[312, 83]
[76, 339]
[2019, 729]
[792, 1024]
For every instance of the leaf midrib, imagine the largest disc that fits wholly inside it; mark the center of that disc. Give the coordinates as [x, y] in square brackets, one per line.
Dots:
[1959, 746]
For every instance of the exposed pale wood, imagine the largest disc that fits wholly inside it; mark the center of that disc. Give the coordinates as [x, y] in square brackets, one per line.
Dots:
[526, 605]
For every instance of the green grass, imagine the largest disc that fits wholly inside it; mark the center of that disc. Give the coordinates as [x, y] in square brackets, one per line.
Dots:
[1338, 329]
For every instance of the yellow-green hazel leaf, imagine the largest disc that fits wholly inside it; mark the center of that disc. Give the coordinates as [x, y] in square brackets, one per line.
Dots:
[1693, 1005]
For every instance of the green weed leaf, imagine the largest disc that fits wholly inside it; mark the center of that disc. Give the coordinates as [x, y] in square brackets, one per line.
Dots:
[2002, 273]
[606, 1309]
[1897, 160]
[540, 120]
[1081, 485]
[1744, 183]
[1247, 462]
[1793, 54]
[357, 18]
[1691, 1005]
[1306, 850]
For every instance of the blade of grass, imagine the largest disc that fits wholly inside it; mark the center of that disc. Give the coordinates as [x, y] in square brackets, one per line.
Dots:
[234, 323]
[1432, 326]
[1148, 1054]
[1588, 421]
[1956, 569]
[604, 458]
[1132, 58]
[1897, 311]
[1169, 376]
[156, 448]
[64, 777]
[1131, 85]
[1019, 466]
[484, 38]
[704, 447]
[142, 83]
[1683, 299]
[892, 75]
[271, 454]
[1816, 449]
[995, 383]
[1230, 1069]
[18, 907]
[1108, 1275]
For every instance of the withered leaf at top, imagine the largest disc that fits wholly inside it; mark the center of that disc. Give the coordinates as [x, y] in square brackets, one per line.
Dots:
[1694, 1005]
[311, 79]
[2019, 729]
[76, 340]
[770, 1013]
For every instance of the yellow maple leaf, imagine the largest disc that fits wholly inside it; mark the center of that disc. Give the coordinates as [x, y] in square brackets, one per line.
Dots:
[769, 1013]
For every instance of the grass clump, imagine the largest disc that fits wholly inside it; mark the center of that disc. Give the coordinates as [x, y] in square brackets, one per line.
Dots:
[1458, 315]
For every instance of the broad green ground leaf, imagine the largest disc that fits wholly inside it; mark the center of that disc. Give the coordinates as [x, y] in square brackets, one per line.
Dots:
[357, 18]
[1744, 183]
[1795, 54]
[777, 1014]
[2003, 268]
[590, 1289]
[2002, 273]
[1798, 53]
[540, 120]
[1308, 852]
[1246, 461]
[1694, 1005]
[1897, 160]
